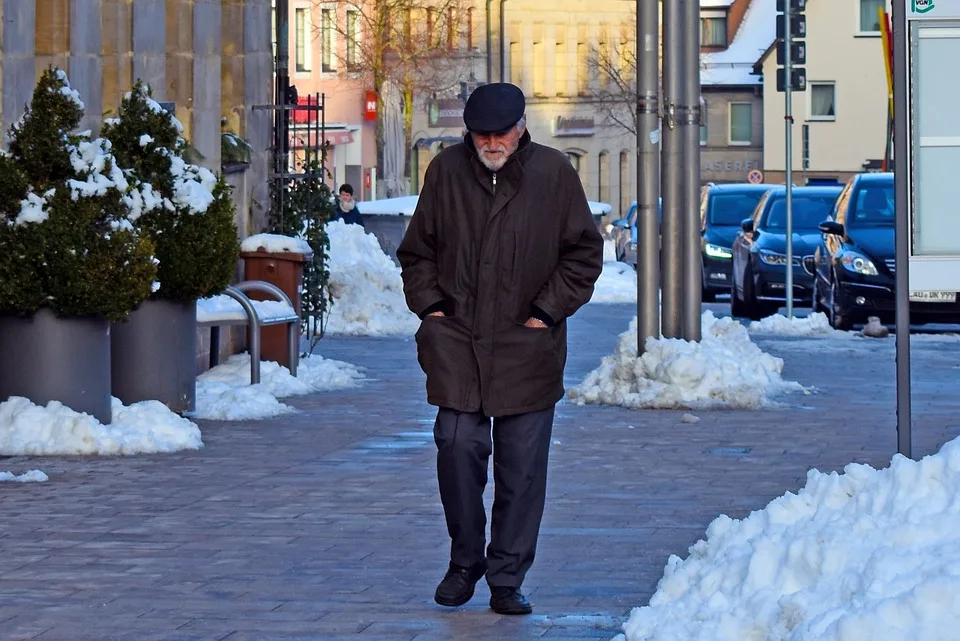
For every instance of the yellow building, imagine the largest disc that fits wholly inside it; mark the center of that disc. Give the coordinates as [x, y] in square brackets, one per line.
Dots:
[209, 60]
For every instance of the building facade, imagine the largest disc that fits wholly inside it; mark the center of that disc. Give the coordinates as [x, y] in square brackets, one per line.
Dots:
[209, 60]
[845, 104]
[733, 34]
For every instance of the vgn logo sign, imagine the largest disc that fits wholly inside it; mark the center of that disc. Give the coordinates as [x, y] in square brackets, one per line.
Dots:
[921, 6]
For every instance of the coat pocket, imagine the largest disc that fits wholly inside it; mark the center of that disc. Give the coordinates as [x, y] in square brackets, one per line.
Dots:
[445, 355]
[528, 367]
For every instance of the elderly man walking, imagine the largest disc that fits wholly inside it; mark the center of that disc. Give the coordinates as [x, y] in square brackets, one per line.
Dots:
[501, 250]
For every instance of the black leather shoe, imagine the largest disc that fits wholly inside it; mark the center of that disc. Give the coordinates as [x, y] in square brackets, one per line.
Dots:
[458, 584]
[505, 600]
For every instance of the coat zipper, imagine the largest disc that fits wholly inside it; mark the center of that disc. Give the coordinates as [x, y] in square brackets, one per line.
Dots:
[494, 183]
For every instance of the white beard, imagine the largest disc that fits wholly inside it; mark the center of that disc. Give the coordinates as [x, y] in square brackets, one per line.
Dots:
[493, 166]
[348, 206]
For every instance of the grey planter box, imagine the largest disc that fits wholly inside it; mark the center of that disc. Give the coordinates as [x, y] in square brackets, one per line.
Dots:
[389, 230]
[154, 355]
[45, 358]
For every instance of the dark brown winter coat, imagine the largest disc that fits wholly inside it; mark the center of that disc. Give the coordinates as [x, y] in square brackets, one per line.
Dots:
[494, 249]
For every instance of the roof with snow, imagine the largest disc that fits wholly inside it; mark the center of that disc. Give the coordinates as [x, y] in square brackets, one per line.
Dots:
[734, 65]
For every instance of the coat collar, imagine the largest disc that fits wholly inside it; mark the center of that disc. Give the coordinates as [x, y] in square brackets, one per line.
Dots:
[509, 176]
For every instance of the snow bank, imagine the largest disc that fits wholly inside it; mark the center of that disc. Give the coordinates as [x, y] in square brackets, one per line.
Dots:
[224, 392]
[275, 244]
[867, 555]
[725, 369]
[816, 324]
[366, 286]
[31, 476]
[617, 284]
[222, 307]
[57, 430]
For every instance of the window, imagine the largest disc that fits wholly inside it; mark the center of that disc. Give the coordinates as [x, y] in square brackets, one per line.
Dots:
[713, 31]
[560, 69]
[451, 29]
[470, 17]
[703, 123]
[539, 69]
[603, 180]
[624, 182]
[516, 64]
[327, 25]
[432, 35]
[741, 123]
[823, 101]
[301, 36]
[583, 69]
[870, 16]
[574, 160]
[353, 39]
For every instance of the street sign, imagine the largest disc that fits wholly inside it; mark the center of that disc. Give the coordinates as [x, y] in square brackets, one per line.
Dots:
[755, 177]
[798, 53]
[798, 26]
[799, 75]
[795, 5]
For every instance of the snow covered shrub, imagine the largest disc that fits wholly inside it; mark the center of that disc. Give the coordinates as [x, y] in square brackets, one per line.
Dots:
[184, 209]
[66, 239]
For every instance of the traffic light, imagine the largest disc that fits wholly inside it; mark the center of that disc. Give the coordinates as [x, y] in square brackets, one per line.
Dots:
[792, 43]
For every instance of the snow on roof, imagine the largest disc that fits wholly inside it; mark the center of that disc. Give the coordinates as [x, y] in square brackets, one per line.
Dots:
[714, 4]
[734, 65]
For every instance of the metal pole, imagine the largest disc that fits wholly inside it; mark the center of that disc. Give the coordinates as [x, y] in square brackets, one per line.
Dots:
[648, 172]
[788, 124]
[692, 264]
[671, 255]
[901, 159]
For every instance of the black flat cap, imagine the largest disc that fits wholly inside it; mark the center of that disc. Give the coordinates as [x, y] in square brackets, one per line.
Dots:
[494, 108]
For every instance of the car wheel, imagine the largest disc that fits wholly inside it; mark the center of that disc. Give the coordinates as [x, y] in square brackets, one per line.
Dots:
[816, 306]
[838, 319]
[754, 309]
[736, 304]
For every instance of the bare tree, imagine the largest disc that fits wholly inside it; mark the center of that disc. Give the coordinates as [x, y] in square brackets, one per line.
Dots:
[613, 78]
[424, 47]
[613, 81]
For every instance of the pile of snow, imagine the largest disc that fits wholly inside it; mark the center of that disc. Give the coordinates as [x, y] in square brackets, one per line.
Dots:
[617, 284]
[816, 324]
[31, 476]
[609, 248]
[725, 369]
[222, 307]
[365, 285]
[56, 430]
[866, 555]
[225, 393]
[275, 244]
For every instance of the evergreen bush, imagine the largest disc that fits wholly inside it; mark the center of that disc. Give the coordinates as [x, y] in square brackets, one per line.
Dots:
[186, 210]
[66, 239]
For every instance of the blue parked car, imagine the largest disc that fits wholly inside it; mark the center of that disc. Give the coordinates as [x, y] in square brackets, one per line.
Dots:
[625, 234]
[760, 250]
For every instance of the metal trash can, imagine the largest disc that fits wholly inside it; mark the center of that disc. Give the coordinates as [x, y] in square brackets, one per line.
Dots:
[285, 270]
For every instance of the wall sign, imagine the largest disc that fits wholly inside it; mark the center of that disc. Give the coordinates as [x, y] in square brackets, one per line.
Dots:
[565, 126]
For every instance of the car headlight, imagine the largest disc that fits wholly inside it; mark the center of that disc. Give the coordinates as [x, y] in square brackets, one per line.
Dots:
[716, 251]
[776, 258]
[858, 264]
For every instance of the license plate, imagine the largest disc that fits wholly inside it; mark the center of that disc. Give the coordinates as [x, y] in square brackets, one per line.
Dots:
[933, 297]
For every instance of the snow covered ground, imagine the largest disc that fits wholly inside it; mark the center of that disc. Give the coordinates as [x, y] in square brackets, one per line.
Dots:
[53, 430]
[724, 370]
[30, 476]
[867, 555]
[224, 392]
[814, 325]
[366, 286]
[617, 284]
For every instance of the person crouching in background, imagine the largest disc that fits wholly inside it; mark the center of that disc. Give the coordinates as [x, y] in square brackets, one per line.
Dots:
[347, 207]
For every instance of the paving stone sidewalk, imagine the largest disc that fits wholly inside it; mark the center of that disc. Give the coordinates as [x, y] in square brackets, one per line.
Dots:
[327, 525]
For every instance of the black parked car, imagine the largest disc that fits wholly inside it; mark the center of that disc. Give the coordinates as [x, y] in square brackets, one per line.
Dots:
[722, 208]
[759, 284]
[855, 263]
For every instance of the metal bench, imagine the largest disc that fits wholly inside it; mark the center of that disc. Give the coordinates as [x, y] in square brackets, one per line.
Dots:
[254, 322]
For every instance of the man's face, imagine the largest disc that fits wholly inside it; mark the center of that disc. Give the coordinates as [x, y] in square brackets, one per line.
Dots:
[345, 197]
[495, 149]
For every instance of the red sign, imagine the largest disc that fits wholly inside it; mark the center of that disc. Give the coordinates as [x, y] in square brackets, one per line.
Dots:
[370, 105]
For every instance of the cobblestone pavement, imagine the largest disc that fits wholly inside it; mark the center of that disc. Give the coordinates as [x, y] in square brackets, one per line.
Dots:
[327, 524]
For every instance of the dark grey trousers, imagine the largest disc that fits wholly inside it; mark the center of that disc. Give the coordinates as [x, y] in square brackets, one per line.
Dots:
[520, 446]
